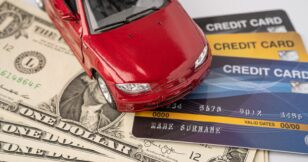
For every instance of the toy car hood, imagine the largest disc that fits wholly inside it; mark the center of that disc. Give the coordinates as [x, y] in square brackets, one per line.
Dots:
[164, 44]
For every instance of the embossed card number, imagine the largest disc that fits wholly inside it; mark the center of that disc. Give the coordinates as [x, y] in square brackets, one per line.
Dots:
[160, 115]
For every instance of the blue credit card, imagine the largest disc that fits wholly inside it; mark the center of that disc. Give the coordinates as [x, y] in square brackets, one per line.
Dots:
[250, 103]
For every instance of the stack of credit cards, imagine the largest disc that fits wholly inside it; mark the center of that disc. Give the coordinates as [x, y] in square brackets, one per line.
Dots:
[255, 95]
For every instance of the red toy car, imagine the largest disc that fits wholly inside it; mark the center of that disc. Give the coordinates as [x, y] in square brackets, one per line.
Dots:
[144, 53]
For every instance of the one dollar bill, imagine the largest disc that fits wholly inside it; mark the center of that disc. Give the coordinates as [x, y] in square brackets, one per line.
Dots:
[12, 133]
[11, 152]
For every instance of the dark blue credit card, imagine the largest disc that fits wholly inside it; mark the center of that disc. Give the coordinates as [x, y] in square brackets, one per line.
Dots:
[250, 103]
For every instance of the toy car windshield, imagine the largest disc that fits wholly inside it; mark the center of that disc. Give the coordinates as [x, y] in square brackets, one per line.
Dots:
[108, 14]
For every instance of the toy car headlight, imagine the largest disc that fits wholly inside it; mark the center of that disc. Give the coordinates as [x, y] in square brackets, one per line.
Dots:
[202, 57]
[134, 88]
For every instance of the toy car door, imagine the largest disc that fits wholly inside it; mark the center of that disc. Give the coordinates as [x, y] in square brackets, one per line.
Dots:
[66, 13]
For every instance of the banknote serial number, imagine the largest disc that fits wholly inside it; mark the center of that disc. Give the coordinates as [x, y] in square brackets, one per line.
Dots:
[19, 79]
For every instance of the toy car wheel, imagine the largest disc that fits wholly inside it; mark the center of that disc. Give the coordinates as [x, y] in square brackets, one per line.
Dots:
[105, 91]
[40, 4]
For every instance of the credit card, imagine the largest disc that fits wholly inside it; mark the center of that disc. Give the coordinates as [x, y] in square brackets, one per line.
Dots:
[274, 46]
[267, 21]
[244, 102]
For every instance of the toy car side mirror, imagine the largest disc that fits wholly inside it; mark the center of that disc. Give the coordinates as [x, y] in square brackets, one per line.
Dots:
[69, 17]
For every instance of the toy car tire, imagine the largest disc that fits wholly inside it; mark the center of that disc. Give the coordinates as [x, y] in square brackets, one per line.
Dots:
[105, 91]
[40, 4]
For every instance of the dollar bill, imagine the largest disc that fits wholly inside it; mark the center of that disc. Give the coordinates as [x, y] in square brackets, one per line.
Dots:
[10, 157]
[15, 152]
[116, 140]
[33, 133]
[42, 86]
[10, 133]
[38, 135]
[34, 58]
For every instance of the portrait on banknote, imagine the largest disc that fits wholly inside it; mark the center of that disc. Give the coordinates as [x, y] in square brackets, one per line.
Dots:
[83, 103]
[231, 155]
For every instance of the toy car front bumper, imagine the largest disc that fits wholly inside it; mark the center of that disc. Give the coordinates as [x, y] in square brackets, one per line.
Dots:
[165, 96]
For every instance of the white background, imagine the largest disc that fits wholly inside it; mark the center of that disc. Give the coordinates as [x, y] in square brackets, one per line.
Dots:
[296, 9]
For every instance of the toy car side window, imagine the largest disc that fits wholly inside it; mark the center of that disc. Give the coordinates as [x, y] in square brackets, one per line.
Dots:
[71, 4]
